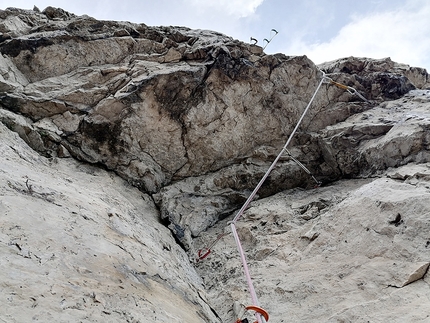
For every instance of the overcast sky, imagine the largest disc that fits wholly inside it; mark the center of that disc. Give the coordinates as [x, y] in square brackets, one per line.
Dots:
[321, 29]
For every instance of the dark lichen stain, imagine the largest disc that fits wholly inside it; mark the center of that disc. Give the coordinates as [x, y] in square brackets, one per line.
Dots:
[15, 46]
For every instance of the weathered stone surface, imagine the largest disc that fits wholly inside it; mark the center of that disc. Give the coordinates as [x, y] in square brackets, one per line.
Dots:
[196, 203]
[10, 77]
[361, 256]
[367, 69]
[170, 101]
[80, 244]
[193, 119]
[389, 135]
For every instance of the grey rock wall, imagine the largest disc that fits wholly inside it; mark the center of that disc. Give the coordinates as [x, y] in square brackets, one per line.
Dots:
[354, 251]
[79, 244]
[192, 119]
[161, 104]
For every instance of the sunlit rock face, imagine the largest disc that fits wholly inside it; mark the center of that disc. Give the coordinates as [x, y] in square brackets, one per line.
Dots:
[125, 129]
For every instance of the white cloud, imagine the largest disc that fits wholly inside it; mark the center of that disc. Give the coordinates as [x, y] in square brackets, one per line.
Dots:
[237, 8]
[402, 35]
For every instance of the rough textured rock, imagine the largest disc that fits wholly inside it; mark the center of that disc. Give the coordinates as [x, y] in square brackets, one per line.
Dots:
[391, 134]
[79, 244]
[367, 70]
[160, 104]
[354, 251]
[193, 119]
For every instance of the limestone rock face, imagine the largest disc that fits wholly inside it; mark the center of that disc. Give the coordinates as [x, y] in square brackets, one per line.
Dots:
[392, 134]
[354, 251]
[367, 69]
[80, 244]
[191, 120]
[160, 104]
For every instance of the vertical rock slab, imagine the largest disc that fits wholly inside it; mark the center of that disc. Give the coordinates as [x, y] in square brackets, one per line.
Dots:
[79, 243]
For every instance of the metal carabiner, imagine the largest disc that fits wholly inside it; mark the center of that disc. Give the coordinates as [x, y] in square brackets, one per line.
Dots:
[203, 253]
[351, 90]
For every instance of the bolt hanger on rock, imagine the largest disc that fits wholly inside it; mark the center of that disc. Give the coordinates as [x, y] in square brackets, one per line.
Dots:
[204, 252]
[273, 33]
[349, 89]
